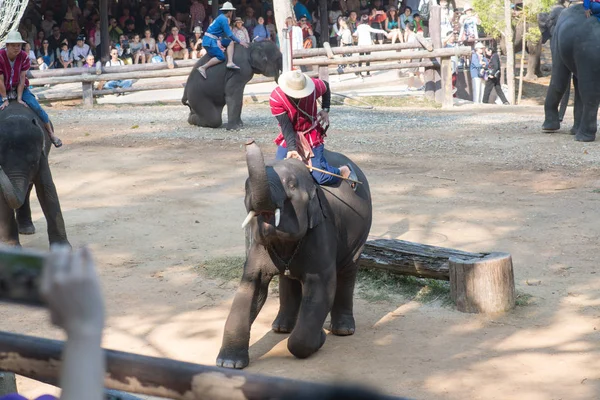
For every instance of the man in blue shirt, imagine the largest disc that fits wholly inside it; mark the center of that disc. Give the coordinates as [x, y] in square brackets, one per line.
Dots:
[219, 31]
[301, 11]
[592, 7]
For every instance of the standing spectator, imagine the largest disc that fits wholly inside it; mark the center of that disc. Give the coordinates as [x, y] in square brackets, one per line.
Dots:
[297, 36]
[307, 33]
[363, 32]
[493, 77]
[70, 27]
[48, 23]
[249, 21]
[95, 38]
[406, 17]
[261, 33]
[447, 16]
[149, 45]
[80, 51]
[66, 57]
[352, 22]
[37, 43]
[45, 56]
[376, 19]
[240, 31]
[477, 67]
[90, 61]
[300, 10]
[468, 26]
[137, 50]
[176, 44]
[392, 25]
[197, 14]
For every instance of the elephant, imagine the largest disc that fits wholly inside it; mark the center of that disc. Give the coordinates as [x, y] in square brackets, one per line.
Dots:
[575, 53]
[24, 148]
[207, 97]
[309, 235]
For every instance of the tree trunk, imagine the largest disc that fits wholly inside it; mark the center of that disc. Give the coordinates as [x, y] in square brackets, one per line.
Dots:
[483, 285]
[104, 37]
[510, 52]
[282, 9]
[524, 41]
[324, 21]
[534, 60]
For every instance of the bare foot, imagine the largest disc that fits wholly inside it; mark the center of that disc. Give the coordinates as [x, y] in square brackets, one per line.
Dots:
[202, 72]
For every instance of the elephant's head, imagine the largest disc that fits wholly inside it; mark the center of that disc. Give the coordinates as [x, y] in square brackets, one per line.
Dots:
[21, 145]
[547, 21]
[266, 59]
[281, 199]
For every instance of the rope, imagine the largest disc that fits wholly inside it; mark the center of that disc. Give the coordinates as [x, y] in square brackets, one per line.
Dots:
[11, 12]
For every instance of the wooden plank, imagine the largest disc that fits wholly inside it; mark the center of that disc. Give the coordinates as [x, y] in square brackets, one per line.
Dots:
[448, 100]
[324, 73]
[88, 95]
[408, 258]
[301, 53]
[40, 359]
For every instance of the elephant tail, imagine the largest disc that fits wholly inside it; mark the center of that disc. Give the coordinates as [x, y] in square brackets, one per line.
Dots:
[10, 194]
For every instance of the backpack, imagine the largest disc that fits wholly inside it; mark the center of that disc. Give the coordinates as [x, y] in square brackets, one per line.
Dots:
[424, 10]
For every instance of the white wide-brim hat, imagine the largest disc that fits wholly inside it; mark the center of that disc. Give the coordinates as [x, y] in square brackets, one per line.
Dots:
[296, 84]
[467, 7]
[479, 45]
[14, 37]
[227, 7]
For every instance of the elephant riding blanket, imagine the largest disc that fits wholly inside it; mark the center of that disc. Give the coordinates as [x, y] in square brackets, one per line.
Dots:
[309, 235]
[225, 87]
[575, 45]
[24, 148]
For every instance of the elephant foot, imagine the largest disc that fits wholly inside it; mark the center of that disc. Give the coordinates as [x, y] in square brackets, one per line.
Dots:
[26, 228]
[573, 130]
[302, 348]
[235, 127]
[283, 324]
[585, 138]
[62, 242]
[343, 325]
[234, 359]
[549, 127]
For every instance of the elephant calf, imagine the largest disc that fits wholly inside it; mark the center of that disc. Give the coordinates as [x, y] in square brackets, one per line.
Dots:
[24, 161]
[312, 237]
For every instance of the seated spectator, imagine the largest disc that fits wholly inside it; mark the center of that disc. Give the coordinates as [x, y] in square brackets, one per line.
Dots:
[124, 50]
[269, 17]
[149, 45]
[66, 57]
[90, 61]
[150, 25]
[418, 22]
[129, 28]
[114, 31]
[240, 31]
[197, 14]
[250, 22]
[161, 46]
[48, 23]
[37, 43]
[176, 44]
[196, 50]
[115, 61]
[31, 55]
[80, 51]
[70, 27]
[137, 50]
[308, 36]
[376, 20]
[261, 33]
[334, 36]
[56, 40]
[392, 25]
[405, 18]
[45, 56]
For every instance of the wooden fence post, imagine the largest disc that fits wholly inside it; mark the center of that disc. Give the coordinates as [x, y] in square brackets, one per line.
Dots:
[433, 85]
[88, 94]
[448, 100]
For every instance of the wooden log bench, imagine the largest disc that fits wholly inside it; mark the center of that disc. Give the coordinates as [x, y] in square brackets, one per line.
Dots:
[479, 282]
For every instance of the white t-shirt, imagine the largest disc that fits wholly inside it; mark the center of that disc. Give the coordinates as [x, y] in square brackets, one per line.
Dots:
[110, 63]
[363, 31]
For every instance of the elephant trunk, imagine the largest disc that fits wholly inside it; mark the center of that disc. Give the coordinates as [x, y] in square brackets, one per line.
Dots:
[14, 197]
[260, 194]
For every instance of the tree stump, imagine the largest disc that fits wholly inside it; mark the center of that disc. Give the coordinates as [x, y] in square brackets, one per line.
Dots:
[8, 383]
[483, 285]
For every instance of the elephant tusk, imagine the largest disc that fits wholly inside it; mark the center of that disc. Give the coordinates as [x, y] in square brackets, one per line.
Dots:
[250, 215]
[277, 217]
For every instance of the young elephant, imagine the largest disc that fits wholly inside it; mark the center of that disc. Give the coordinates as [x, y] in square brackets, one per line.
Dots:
[310, 235]
[24, 151]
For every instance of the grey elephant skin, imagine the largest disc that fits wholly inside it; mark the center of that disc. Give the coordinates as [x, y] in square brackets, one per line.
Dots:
[225, 87]
[24, 147]
[319, 238]
[575, 44]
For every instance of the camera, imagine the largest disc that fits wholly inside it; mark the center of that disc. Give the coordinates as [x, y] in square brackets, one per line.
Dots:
[20, 275]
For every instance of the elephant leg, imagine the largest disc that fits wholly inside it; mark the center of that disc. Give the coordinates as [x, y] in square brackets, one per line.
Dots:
[577, 107]
[342, 318]
[290, 296]
[317, 298]
[24, 221]
[589, 115]
[558, 85]
[9, 231]
[235, 99]
[48, 198]
[209, 118]
[249, 299]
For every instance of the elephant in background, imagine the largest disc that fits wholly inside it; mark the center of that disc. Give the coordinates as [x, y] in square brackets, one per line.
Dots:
[576, 54]
[311, 236]
[207, 97]
[24, 149]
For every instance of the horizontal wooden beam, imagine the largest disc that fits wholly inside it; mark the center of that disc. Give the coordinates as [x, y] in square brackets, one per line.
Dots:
[408, 258]
[354, 49]
[40, 359]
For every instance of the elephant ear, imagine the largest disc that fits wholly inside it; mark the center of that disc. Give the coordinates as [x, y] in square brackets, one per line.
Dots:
[316, 210]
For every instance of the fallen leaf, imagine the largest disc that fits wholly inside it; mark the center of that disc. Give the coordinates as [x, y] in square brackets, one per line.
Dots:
[135, 127]
[538, 283]
[583, 380]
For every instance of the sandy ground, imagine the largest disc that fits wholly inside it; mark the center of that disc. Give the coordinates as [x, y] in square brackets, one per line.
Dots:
[154, 198]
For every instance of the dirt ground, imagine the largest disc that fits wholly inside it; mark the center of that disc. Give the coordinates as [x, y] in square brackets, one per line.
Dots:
[154, 198]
